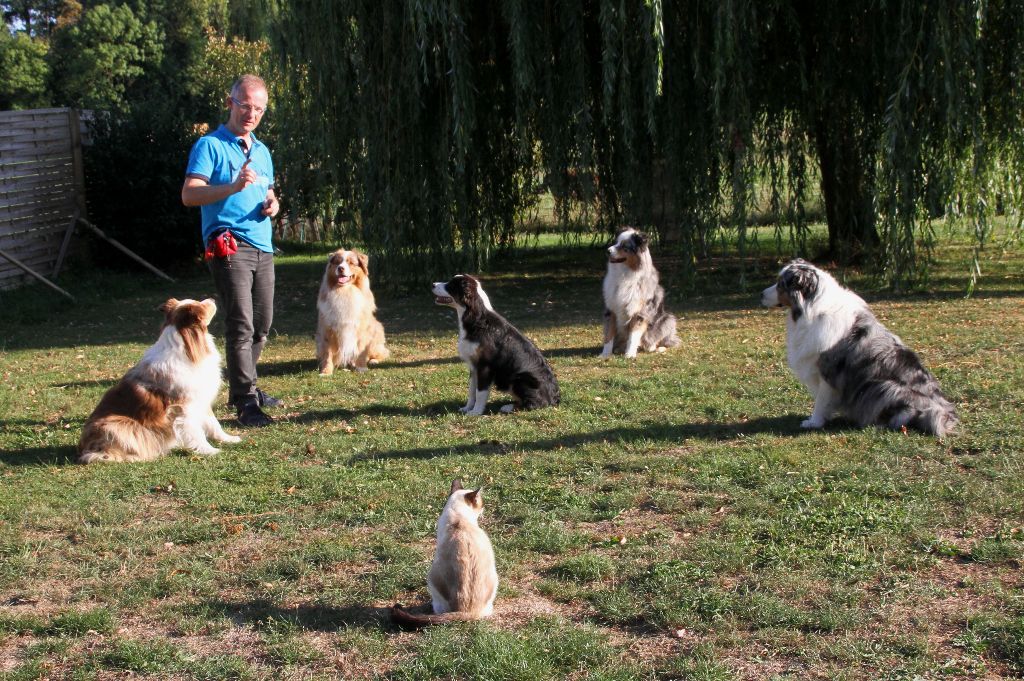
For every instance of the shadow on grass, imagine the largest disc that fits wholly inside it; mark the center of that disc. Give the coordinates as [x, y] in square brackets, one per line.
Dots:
[435, 409]
[39, 456]
[778, 425]
[309, 366]
[309, 617]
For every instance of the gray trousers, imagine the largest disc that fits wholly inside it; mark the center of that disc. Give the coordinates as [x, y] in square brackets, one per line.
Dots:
[245, 292]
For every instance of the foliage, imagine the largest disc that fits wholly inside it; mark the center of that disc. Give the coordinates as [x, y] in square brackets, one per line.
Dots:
[134, 171]
[26, 72]
[98, 59]
[436, 120]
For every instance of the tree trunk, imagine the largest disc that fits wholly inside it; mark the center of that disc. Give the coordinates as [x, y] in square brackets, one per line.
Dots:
[847, 177]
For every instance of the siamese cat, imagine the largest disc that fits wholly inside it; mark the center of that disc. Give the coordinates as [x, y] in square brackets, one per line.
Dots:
[462, 579]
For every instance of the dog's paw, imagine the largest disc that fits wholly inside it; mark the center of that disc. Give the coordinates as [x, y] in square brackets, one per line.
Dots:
[206, 451]
[630, 355]
[605, 355]
[326, 372]
[359, 370]
[812, 424]
[465, 410]
[231, 439]
[661, 348]
[507, 408]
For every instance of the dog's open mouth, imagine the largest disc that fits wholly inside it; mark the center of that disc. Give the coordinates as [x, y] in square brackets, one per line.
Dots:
[443, 300]
[616, 260]
[344, 279]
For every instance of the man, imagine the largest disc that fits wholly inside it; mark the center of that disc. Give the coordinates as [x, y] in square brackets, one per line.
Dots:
[231, 176]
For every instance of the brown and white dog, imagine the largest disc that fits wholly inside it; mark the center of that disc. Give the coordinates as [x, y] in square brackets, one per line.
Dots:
[634, 301]
[347, 333]
[164, 401]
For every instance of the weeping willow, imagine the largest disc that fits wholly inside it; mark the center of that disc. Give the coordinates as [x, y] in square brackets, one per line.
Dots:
[425, 128]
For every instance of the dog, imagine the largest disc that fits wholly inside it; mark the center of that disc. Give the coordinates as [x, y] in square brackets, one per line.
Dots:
[348, 334]
[164, 401]
[849, 361]
[634, 301]
[495, 351]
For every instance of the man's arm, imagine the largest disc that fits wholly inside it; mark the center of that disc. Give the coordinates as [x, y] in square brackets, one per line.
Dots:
[199, 192]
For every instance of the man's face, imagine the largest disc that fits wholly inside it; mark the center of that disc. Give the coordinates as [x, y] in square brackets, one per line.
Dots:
[247, 107]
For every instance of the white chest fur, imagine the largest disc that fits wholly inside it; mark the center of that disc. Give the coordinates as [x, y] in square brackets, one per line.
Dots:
[624, 292]
[467, 349]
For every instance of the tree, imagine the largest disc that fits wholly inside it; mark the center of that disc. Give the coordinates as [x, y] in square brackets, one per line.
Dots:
[26, 72]
[435, 117]
[98, 59]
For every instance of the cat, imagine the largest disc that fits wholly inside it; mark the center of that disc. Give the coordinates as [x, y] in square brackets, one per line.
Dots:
[463, 581]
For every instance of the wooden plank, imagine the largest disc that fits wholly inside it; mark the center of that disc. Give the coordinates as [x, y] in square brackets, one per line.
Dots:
[11, 171]
[30, 114]
[60, 175]
[18, 195]
[77, 165]
[8, 230]
[40, 142]
[37, 194]
[124, 249]
[33, 187]
[15, 242]
[39, 258]
[36, 274]
[34, 149]
[63, 205]
[65, 243]
[31, 226]
[21, 133]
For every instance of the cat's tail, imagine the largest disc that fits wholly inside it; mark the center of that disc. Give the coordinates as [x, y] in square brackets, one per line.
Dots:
[406, 620]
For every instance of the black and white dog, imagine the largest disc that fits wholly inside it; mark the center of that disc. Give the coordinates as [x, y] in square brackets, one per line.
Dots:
[634, 301]
[496, 352]
[849, 361]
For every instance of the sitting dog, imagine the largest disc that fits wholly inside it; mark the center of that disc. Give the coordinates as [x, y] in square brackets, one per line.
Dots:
[849, 361]
[634, 301]
[164, 401]
[495, 351]
[347, 333]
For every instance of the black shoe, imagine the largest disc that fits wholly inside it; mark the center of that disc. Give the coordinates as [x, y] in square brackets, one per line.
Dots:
[265, 400]
[252, 416]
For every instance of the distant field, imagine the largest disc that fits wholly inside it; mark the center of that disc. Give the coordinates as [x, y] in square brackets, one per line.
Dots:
[669, 520]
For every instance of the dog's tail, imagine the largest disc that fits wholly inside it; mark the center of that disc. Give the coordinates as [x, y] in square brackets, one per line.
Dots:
[661, 334]
[116, 439]
[406, 620]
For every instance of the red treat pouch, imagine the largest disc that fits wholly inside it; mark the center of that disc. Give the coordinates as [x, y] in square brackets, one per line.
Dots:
[222, 245]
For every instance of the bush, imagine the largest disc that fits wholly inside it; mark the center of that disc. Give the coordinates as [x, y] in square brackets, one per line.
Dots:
[133, 175]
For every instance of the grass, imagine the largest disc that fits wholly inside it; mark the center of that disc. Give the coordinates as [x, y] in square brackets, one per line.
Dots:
[668, 520]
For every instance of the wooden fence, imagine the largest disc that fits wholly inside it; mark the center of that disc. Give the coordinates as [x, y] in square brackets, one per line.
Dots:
[42, 189]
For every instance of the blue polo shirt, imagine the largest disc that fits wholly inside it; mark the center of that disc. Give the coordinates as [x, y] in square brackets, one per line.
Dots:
[217, 158]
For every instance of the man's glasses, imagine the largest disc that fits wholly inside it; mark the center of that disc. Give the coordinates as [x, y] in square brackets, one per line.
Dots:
[249, 108]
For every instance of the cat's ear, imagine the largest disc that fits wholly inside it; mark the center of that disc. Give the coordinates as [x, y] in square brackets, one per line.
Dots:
[456, 486]
[475, 499]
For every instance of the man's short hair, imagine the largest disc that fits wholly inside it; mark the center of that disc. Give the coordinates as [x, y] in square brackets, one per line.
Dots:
[245, 82]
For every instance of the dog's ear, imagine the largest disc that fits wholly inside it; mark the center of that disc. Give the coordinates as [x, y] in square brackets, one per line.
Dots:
[800, 282]
[364, 261]
[468, 289]
[168, 307]
[640, 240]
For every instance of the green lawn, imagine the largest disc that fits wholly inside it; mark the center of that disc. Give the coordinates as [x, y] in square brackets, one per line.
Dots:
[668, 520]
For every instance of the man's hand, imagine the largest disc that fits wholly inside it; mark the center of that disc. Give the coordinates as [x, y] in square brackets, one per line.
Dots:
[246, 176]
[271, 206]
